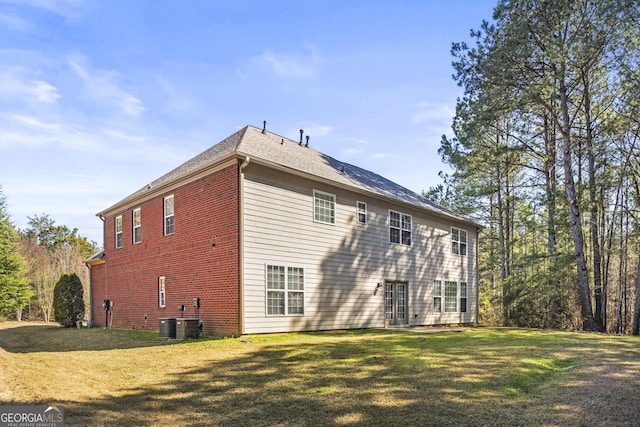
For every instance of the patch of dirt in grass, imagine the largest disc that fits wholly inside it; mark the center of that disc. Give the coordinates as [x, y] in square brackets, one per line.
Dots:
[604, 392]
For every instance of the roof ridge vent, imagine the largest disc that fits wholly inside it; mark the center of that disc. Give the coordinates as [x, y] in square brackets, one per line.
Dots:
[307, 144]
[264, 126]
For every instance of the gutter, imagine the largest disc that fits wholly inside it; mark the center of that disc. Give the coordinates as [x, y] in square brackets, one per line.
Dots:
[244, 164]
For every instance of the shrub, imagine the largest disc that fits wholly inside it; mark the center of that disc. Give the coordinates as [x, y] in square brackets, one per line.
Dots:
[68, 302]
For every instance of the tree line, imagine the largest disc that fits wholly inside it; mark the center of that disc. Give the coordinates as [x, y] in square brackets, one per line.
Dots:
[33, 261]
[545, 153]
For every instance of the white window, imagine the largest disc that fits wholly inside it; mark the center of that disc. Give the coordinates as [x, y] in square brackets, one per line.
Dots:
[450, 297]
[463, 297]
[458, 241]
[168, 215]
[137, 226]
[285, 290]
[437, 296]
[399, 228]
[324, 207]
[362, 212]
[119, 231]
[161, 292]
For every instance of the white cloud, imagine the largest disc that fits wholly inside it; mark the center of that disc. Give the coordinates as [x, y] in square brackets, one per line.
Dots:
[14, 22]
[31, 121]
[288, 66]
[102, 86]
[68, 9]
[429, 113]
[315, 129]
[352, 151]
[175, 100]
[16, 83]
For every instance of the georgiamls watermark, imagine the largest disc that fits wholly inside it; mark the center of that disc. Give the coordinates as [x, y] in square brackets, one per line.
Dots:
[31, 416]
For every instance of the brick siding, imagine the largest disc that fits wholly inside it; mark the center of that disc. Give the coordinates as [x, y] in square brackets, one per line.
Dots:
[206, 213]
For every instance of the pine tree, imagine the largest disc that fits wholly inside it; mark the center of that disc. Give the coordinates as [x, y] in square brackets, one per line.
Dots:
[15, 292]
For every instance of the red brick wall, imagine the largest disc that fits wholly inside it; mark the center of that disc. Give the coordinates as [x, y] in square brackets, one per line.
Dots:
[206, 212]
[97, 293]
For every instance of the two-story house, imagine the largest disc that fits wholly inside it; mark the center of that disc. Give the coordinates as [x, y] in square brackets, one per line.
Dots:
[269, 235]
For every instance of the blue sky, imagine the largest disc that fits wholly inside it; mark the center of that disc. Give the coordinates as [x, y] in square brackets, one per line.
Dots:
[98, 98]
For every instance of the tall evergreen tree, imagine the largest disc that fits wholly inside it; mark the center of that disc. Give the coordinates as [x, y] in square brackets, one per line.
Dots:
[554, 67]
[14, 289]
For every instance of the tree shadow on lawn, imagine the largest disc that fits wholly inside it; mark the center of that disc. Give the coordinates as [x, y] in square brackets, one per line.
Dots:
[348, 382]
[28, 338]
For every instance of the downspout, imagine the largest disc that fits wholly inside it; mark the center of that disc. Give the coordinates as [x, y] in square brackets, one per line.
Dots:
[244, 164]
[104, 247]
[90, 322]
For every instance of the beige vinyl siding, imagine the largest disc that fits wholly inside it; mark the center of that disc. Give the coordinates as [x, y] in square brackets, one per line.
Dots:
[344, 261]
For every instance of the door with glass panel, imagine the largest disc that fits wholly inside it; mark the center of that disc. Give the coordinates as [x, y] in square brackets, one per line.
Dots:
[395, 303]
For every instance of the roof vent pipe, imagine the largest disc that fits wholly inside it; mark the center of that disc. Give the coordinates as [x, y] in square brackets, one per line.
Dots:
[307, 144]
[264, 126]
[301, 132]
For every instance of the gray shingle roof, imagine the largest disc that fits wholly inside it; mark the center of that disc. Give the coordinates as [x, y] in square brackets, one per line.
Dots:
[285, 153]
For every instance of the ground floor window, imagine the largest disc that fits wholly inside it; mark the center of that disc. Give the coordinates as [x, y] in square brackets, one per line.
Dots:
[463, 297]
[437, 296]
[452, 297]
[285, 290]
[161, 292]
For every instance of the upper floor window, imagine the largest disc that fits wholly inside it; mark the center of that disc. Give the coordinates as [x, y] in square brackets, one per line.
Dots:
[399, 228]
[168, 215]
[285, 290]
[119, 231]
[458, 241]
[362, 212]
[137, 226]
[324, 207]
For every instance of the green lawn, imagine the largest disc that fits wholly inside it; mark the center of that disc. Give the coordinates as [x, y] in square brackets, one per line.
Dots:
[467, 376]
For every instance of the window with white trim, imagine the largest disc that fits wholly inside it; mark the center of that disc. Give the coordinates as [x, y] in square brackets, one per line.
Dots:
[450, 296]
[463, 297]
[437, 296]
[161, 292]
[399, 228]
[458, 241]
[285, 290]
[324, 207]
[168, 215]
[137, 226]
[361, 212]
[118, 225]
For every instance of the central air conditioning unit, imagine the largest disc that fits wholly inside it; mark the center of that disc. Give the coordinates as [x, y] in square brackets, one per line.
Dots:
[167, 328]
[187, 327]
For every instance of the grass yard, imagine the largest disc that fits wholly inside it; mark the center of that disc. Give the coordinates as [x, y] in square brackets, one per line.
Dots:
[466, 376]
